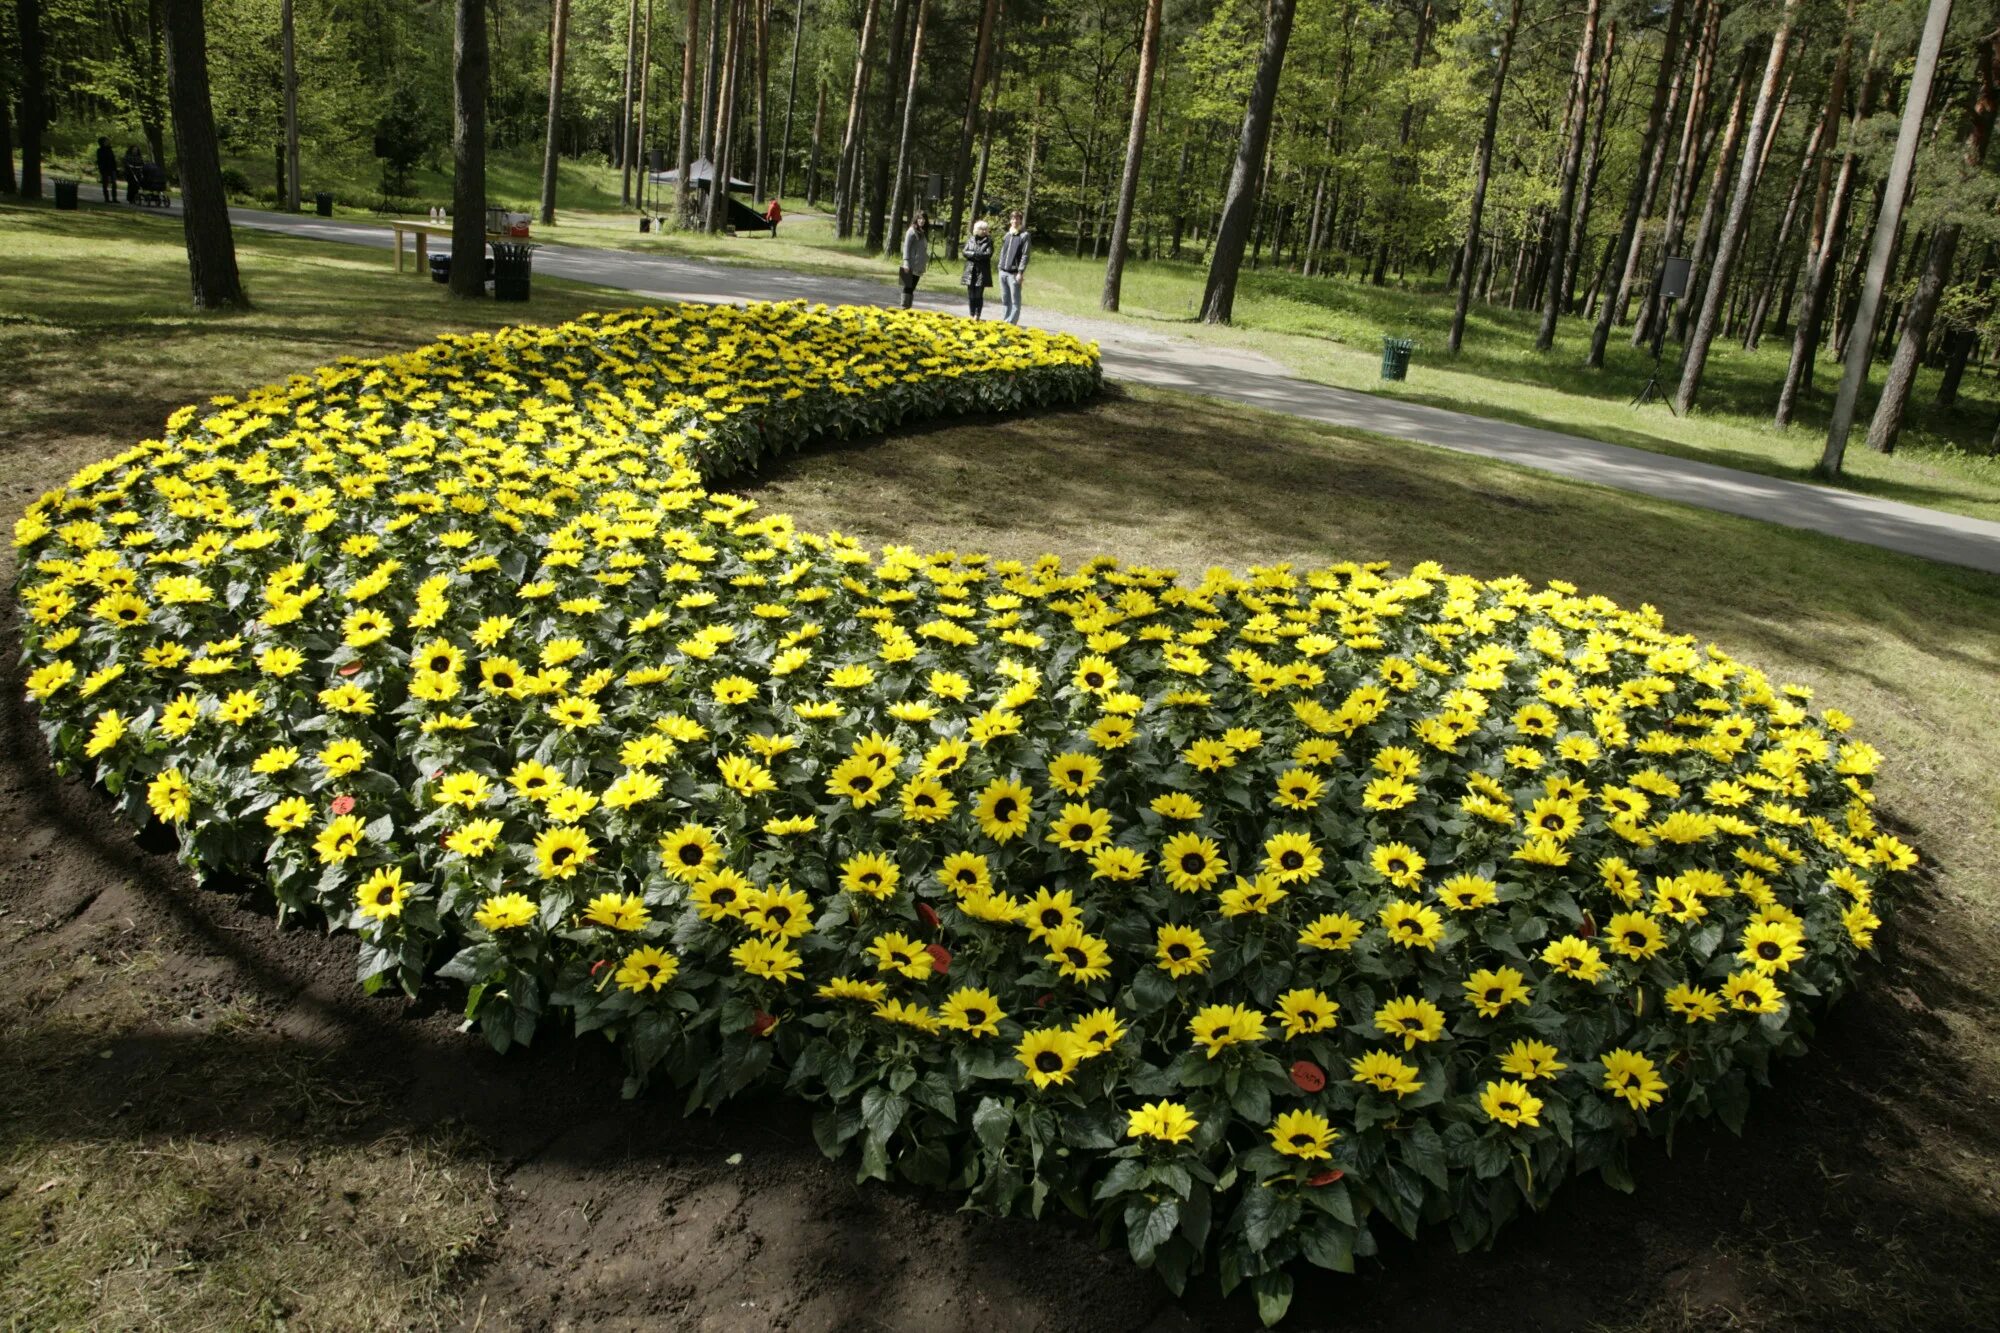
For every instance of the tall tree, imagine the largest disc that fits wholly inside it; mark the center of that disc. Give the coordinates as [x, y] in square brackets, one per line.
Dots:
[719, 165]
[1482, 173]
[1687, 162]
[1861, 339]
[893, 232]
[1888, 419]
[1239, 205]
[468, 148]
[625, 104]
[1645, 178]
[558, 47]
[1135, 146]
[1554, 298]
[637, 147]
[1716, 291]
[791, 96]
[684, 148]
[288, 46]
[1399, 164]
[211, 247]
[33, 96]
[848, 167]
[763, 96]
[1823, 254]
[961, 160]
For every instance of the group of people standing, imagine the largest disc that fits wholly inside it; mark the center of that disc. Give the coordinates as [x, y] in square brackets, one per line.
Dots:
[133, 170]
[981, 258]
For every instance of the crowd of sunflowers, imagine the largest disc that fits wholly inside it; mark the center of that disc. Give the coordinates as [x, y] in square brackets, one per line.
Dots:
[1241, 914]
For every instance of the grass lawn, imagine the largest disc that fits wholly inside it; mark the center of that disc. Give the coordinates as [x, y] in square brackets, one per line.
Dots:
[195, 1133]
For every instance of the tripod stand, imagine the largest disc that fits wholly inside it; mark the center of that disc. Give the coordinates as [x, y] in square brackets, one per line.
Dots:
[1652, 389]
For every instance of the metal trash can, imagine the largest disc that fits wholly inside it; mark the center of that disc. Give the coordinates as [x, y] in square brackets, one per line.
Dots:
[1396, 357]
[441, 268]
[324, 204]
[645, 225]
[513, 266]
[65, 194]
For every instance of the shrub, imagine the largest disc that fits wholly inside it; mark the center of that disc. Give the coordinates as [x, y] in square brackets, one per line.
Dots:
[1239, 914]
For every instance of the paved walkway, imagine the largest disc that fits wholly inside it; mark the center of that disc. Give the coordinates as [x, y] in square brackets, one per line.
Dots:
[1140, 356]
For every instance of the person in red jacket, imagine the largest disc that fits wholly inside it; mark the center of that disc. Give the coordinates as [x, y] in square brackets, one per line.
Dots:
[774, 215]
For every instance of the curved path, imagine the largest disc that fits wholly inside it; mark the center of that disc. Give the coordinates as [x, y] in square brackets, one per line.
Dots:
[1144, 357]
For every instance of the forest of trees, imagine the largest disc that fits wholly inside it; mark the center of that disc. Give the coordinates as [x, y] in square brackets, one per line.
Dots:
[1542, 155]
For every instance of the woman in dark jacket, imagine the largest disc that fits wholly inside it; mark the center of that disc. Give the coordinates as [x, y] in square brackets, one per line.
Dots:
[978, 275]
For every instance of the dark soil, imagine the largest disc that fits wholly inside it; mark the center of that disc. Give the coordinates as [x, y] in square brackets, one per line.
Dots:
[137, 1010]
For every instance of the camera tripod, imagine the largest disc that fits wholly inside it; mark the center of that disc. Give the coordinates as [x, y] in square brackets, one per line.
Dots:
[1652, 389]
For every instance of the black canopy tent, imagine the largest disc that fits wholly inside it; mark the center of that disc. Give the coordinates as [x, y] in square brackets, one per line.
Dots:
[701, 174]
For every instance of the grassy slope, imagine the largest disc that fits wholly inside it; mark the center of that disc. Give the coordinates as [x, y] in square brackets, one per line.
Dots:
[100, 348]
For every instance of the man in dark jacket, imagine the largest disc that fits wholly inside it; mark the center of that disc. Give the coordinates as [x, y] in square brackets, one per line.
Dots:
[978, 274]
[1014, 247]
[107, 170]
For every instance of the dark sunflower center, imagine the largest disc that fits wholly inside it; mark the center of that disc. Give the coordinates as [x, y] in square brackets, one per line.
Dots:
[1076, 956]
[871, 878]
[692, 855]
[862, 782]
[1291, 860]
[1302, 1139]
[1194, 863]
[1051, 918]
[1048, 1062]
[1177, 952]
[1004, 808]
[724, 895]
[1080, 833]
[1495, 995]
[975, 1017]
[778, 916]
[561, 854]
[1636, 938]
[1768, 950]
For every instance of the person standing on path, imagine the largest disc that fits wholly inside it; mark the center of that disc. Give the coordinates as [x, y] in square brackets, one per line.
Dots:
[774, 215]
[1014, 247]
[978, 275]
[916, 258]
[107, 169]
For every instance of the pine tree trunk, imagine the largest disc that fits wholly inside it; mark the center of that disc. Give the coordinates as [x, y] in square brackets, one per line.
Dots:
[288, 48]
[1686, 166]
[847, 168]
[1760, 307]
[34, 96]
[1574, 128]
[684, 142]
[1818, 282]
[791, 97]
[558, 47]
[1239, 204]
[876, 226]
[1738, 221]
[1860, 342]
[1712, 203]
[1593, 164]
[625, 105]
[986, 138]
[1645, 180]
[709, 73]
[211, 248]
[1889, 409]
[1135, 145]
[961, 159]
[812, 158]
[468, 148]
[638, 151]
[1399, 164]
[893, 232]
[1482, 174]
[717, 217]
[761, 149]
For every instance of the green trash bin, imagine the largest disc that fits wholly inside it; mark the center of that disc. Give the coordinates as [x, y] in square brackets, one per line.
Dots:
[323, 204]
[65, 194]
[1396, 357]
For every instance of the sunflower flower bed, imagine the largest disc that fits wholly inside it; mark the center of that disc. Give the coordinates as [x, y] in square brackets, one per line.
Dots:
[1242, 915]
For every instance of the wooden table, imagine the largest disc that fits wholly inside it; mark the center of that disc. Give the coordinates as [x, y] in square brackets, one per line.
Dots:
[422, 232]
